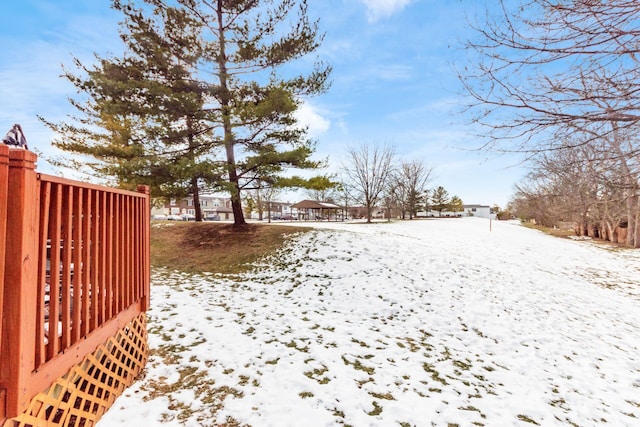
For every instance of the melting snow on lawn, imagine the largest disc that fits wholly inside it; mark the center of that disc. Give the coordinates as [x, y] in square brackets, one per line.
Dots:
[414, 323]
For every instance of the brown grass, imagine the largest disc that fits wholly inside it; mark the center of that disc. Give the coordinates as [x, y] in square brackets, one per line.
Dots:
[558, 232]
[214, 247]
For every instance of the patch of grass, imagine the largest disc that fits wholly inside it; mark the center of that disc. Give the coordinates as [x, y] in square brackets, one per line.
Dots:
[435, 375]
[359, 366]
[360, 343]
[385, 396]
[559, 403]
[462, 365]
[527, 419]
[557, 232]
[377, 409]
[317, 373]
[293, 344]
[549, 230]
[472, 408]
[190, 378]
[216, 247]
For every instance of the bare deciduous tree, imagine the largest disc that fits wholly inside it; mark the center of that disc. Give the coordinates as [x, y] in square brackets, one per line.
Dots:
[415, 176]
[408, 186]
[345, 195]
[368, 169]
[323, 195]
[261, 197]
[581, 186]
[546, 65]
[550, 77]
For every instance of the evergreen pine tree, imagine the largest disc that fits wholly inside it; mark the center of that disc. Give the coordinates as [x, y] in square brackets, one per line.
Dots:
[199, 97]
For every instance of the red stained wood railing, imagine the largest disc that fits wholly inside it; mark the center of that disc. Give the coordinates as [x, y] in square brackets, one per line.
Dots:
[74, 267]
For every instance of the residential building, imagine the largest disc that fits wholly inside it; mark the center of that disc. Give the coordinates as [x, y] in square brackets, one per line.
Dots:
[481, 211]
[213, 206]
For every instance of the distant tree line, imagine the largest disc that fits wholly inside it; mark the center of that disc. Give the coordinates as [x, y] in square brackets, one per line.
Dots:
[374, 177]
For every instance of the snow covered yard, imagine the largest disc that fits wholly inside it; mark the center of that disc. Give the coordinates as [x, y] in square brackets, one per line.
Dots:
[416, 323]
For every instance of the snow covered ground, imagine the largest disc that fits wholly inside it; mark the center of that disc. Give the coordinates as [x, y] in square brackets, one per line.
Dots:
[415, 323]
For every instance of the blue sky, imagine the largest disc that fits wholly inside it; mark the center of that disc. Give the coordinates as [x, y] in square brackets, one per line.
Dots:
[394, 81]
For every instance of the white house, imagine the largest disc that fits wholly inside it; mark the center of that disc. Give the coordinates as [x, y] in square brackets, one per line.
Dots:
[481, 211]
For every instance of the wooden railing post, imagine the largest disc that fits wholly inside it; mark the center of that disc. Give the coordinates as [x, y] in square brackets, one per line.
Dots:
[20, 278]
[4, 177]
[146, 261]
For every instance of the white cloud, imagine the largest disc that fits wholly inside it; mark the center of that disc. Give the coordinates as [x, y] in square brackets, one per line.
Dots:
[377, 9]
[309, 116]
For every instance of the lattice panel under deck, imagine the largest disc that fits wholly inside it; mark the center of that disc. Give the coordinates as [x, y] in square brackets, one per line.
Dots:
[87, 391]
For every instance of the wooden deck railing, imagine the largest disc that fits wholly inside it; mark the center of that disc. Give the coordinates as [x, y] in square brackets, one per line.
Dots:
[74, 269]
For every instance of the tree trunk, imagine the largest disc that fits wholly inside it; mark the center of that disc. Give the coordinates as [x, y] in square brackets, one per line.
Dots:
[229, 142]
[195, 192]
[632, 220]
[612, 233]
[236, 203]
[636, 229]
[196, 198]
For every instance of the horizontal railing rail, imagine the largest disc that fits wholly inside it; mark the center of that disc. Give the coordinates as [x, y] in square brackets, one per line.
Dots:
[77, 270]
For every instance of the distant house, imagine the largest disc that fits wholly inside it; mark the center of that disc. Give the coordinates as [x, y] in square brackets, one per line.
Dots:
[278, 210]
[481, 211]
[213, 206]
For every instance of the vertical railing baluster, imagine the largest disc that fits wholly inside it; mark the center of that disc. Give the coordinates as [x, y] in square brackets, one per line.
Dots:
[128, 254]
[95, 289]
[116, 254]
[109, 255]
[67, 237]
[54, 271]
[86, 262]
[41, 305]
[102, 224]
[76, 319]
